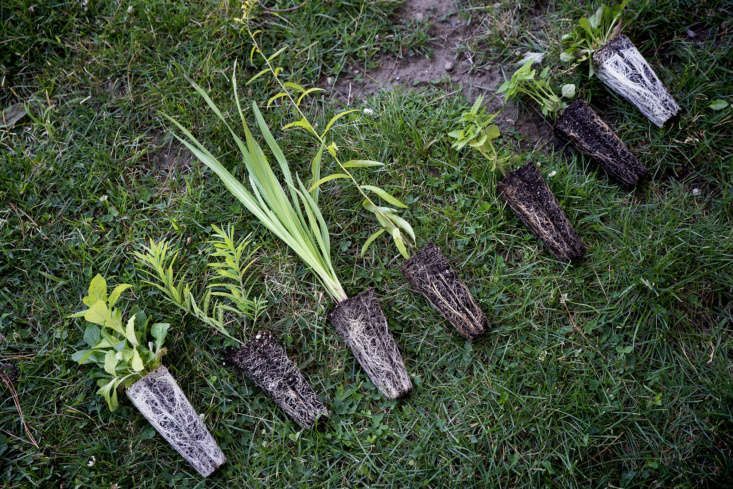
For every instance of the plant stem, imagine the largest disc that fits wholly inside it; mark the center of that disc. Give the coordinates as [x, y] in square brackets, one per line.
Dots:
[320, 139]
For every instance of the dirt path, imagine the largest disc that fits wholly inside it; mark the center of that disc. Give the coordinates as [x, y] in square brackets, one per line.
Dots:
[448, 66]
[448, 32]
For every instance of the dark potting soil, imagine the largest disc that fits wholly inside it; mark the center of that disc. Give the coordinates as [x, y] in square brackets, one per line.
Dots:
[9, 371]
[616, 45]
[360, 322]
[430, 273]
[580, 125]
[264, 361]
[528, 195]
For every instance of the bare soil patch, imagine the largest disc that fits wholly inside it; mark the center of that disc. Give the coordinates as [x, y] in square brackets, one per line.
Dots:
[449, 66]
[449, 32]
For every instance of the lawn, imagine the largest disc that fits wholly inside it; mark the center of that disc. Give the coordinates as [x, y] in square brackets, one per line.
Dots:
[616, 371]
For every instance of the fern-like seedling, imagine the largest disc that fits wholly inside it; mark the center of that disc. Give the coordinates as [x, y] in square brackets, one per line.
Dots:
[227, 292]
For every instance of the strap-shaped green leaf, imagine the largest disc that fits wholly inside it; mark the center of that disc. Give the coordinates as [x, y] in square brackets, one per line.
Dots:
[362, 164]
[328, 178]
[384, 195]
[372, 237]
[335, 119]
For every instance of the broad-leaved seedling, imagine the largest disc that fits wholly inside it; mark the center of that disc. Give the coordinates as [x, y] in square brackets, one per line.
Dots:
[124, 350]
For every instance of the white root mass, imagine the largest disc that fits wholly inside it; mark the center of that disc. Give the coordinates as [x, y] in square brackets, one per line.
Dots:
[623, 69]
[363, 326]
[159, 398]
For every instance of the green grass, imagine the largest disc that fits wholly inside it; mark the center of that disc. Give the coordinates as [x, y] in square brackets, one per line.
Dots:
[615, 372]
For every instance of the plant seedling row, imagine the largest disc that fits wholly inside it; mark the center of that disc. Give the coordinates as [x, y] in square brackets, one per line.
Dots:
[291, 212]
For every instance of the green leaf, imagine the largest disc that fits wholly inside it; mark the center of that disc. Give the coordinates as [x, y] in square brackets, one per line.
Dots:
[477, 104]
[370, 240]
[97, 291]
[362, 164]
[595, 19]
[332, 149]
[276, 54]
[103, 344]
[106, 392]
[97, 313]
[335, 119]
[480, 141]
[92, 335]
[328, 178]
[258, 75]
[493, 132]
[136, 363]
[130, 331]
[584, 23]
[116, 293]
[390, 199]
[567, 56]
[504, 88]
[294, 86]
[159, 331]
[306, 93]
[115, 321]
[457, 134]
[275, 97]
[718, 104]
[126, 354]
[141, 324]
[302, 124]
[404, 225]
[82, 356]
[399, 243]
[110, 362]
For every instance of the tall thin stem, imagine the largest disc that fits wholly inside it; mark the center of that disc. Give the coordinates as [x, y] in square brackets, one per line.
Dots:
[318, 137]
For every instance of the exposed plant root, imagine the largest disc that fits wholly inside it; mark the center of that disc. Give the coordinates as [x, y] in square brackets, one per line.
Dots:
[430, 274]
[264, 361]
[159, 398]
[536, 206]
[360, 321]
[622, 68]
[590, 134]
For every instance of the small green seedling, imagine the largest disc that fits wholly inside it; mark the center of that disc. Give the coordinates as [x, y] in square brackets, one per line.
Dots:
[283, 205]
[592, 33]
[228, 290]
[384, 206]
[121, 349]
[477, 130]
[525, 81]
